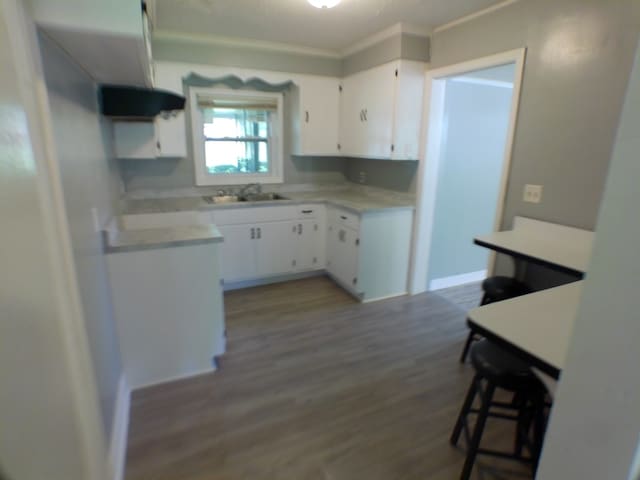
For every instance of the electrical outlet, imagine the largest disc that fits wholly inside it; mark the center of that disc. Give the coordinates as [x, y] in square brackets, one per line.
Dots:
[362, 177]
[532, 193]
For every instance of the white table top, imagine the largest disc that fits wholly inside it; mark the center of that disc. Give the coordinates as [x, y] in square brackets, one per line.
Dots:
[549, 243]
[538, 324]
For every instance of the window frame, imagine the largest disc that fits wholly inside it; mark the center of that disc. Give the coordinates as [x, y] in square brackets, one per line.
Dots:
[276, 144]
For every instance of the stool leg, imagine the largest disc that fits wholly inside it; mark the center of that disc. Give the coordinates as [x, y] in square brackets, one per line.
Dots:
[485, 299]
[486, 397]
[467, 346]
[538, 429]
[464, 411]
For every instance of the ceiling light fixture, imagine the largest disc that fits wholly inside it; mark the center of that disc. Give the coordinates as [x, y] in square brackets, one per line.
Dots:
[324, 3]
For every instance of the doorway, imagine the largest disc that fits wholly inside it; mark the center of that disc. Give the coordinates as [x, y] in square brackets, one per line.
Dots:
[471, 110]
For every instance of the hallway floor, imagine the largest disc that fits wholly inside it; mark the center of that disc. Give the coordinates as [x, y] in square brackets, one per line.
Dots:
[315, 386]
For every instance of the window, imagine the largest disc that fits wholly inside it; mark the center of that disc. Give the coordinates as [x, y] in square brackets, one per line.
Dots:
[237, 136]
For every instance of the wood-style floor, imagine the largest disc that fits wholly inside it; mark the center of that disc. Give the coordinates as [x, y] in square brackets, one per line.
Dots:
[315, 386]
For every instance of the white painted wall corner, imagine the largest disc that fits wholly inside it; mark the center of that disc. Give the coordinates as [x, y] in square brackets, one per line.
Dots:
[120, 430]
[455, 280]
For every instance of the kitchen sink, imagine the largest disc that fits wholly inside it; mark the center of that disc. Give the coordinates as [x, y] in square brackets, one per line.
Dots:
[253, 197]
[263, 197]
[223, 199]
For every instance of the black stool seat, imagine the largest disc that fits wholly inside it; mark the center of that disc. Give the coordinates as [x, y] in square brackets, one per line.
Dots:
[495, 289]
[501, 368]
[501, 288]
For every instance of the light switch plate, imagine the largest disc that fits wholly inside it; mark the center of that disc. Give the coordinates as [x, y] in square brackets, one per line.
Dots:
[532, 193]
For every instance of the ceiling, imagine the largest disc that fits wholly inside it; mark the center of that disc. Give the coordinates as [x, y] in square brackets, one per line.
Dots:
[297, 23]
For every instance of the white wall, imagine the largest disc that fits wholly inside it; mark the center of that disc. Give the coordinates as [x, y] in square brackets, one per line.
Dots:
[469, 173]
[90, 179]
[49, 419]
[594, 427]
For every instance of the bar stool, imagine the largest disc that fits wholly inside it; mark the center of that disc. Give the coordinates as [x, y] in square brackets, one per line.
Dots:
[496, 368]
[495, 289]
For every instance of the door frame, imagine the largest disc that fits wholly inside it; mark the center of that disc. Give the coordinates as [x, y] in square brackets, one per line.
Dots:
[433, 113]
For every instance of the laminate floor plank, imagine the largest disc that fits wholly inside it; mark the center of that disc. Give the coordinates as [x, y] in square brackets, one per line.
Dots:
[315, 386]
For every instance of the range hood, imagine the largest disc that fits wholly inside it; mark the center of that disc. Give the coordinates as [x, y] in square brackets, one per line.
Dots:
[137, 103]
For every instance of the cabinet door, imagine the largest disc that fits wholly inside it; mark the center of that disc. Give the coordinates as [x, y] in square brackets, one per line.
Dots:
[238, 252]
[275, 248]
[134, 140]
[170, 141]
[342, 255]
[319, 116]
[377, 87]
[408, 110]
[352, 128]
[311, 245]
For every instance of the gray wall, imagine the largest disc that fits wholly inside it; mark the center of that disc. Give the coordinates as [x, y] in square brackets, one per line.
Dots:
[175, 50]
[89, 179]
[403, 46]
[593, 432]
[579, 56]
[392, 175]
[470, 168]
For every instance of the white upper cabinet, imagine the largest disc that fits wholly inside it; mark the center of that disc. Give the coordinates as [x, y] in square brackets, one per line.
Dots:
[148, 140]
[315, 107]
[381, 111]
[108, 38]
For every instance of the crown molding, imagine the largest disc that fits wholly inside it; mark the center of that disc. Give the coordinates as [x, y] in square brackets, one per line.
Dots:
[472, 16]
[397, 29]
[244, 43]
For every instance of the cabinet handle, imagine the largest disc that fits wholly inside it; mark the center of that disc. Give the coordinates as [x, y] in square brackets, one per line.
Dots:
[362, 115]
[365, 114]
[158, 146]
[343, 217]
[299, 229]
[253, 234]
[259, 233]
[355, 280]
[306, 116]
[307, 211]
[294, 230]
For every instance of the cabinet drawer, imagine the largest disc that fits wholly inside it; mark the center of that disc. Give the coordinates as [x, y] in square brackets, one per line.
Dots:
[236, 216]
[309, 211]
[344, 218]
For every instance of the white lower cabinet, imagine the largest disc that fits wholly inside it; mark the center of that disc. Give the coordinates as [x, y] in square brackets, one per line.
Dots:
[342, 255]
[275, 248]
[258, 242]
[311, 241]
[369, 254]
[238, 252]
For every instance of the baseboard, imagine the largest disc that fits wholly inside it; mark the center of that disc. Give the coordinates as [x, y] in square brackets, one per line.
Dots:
[275, 279]
[214, 368]
[386, 297]
[455, 280]
[119, 430]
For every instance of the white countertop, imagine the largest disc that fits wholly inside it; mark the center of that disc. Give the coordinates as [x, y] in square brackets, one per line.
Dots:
[129, 240]
[353, 199]
[553, 244]
[539, 324]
